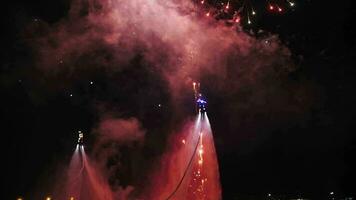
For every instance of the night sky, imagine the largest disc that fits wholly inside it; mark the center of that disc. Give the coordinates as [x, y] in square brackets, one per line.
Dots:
[277, 130]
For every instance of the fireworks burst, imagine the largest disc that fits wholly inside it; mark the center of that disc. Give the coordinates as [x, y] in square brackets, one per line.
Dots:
[237, 11]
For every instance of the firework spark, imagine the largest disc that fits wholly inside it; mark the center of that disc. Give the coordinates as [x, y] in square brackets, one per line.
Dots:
[236, 10]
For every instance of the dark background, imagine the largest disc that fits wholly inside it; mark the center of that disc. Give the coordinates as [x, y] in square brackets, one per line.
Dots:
[311, 157]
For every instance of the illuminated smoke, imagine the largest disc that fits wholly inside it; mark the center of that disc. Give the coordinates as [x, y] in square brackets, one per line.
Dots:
[177, 42]
[120, 130]
[114, 133]
[172, 37]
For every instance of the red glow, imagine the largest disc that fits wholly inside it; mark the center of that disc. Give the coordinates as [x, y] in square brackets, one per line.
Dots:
[271, 7]
[280, 9]
[207, 14]
[202, 180]
[238, 19]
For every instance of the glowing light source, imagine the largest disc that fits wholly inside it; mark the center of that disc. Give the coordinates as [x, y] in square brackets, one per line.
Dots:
[80, 138]
[48, 198]
[271, 7]
[227, 5]
[253, 12]
[207, 14]
[238, 19]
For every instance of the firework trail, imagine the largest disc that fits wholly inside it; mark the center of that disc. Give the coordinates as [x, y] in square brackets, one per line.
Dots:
[234, 11]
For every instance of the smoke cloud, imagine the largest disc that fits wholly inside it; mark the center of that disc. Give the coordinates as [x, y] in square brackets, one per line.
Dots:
[175, 41]
[173, 38]
[120, 130]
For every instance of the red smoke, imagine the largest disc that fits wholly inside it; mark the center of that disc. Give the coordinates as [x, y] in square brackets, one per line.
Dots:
[189, 169]
[120, 130]
[174, 40]
[178, 44]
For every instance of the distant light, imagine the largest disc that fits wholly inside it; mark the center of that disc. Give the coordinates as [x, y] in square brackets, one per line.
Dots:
[71, 198]
[331, 193]
[71, 95]
[48, 198]
[207, 14]
[202, 2]
[269, 195]
[291, 4]
[249, 21]
[159, 105]
[253, 12]
[183, 141]
[227, 5]
[279, 9]
[91, 82]
[271, 7]
[238, 19]
[19, 198]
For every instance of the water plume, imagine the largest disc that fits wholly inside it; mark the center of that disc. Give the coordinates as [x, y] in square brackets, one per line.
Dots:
[189, 169]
